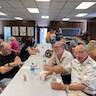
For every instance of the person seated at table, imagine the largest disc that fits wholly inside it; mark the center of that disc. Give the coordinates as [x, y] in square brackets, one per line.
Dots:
[24, 54]
[93, 54]
[91, 46]
[59, 59]
[32, 50]
[15, 45]
[1, 41]
[83, 73]
[9, 62]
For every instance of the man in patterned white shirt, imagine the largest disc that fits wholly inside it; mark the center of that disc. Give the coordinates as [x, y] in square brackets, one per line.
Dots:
[59, 59]
[83, 72]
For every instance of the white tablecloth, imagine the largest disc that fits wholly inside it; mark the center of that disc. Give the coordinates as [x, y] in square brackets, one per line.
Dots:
[32, 86]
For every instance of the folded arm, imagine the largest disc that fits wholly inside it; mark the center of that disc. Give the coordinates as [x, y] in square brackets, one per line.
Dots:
[74, 86]
[9, 66]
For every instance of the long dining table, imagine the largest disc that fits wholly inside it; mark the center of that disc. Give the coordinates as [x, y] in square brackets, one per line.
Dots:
[28, 82]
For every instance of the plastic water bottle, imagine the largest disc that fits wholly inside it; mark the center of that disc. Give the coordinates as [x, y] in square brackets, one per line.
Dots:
[32, 67]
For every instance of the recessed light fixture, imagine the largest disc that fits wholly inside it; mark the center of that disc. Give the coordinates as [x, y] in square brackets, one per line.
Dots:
[85, 5]
[45, 17]
[3, 14]
[33, 10]
[43, 0]
[65, 19]
[18, 18]
[81, 14]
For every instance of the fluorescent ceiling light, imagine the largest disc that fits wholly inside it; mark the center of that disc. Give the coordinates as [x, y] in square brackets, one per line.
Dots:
[33, 10]
[65, 19]
[85, 5]
[3, 14]
[81, 14]
[43, 0]
[18, 18]
[45, 17]
[0, 6]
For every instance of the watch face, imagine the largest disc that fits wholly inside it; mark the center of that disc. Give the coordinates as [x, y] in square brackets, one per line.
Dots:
[48, 53]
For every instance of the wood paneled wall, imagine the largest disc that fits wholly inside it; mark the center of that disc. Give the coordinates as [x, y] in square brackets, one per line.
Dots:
[91, 28]
[60, 24]
[11, 23]
[18, 23]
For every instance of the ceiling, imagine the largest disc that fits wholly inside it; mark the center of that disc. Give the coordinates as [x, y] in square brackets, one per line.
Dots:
[56, 9]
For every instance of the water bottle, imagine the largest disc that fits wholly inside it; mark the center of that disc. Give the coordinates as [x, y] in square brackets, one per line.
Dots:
[32, 67]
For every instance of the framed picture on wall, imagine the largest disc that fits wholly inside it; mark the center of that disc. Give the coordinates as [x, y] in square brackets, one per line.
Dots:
[30, 31]
[15, 31]
[22, 31]
[7, 33]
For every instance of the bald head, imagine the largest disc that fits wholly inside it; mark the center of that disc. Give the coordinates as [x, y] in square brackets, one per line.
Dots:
[59, 44]
[79, 48]
[5, 48]
[80, 53]
[58, 48]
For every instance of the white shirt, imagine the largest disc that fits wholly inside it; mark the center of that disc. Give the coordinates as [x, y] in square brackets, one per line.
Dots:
[84, 73]
[64, 60]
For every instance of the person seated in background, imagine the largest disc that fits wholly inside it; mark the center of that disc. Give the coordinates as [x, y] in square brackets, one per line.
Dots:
[32, 50]
[1, 41]
[52, 37]
[15, 45]
[24, 54]
[78, 40]
[9, 62]
[93, 54]
[91, 46]
[48, 36]
[59, 59]
[83, 73]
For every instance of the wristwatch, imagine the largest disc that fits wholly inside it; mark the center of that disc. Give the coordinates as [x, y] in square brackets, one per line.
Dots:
[9, 65]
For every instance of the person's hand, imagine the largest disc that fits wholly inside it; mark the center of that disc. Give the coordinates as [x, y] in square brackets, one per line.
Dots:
[17, 62]
[47, 75]
[58, 86]
[47, 67]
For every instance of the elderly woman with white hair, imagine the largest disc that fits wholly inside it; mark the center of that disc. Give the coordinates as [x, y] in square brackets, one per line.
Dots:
[91, 46]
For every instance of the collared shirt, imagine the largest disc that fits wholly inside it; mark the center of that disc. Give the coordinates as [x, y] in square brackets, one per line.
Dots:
[65, 59]
[84, 73]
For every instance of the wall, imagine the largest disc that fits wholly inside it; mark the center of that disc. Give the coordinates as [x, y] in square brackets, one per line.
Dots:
[19, 24]
[11, 23]
[60, 24]
[91, 28]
